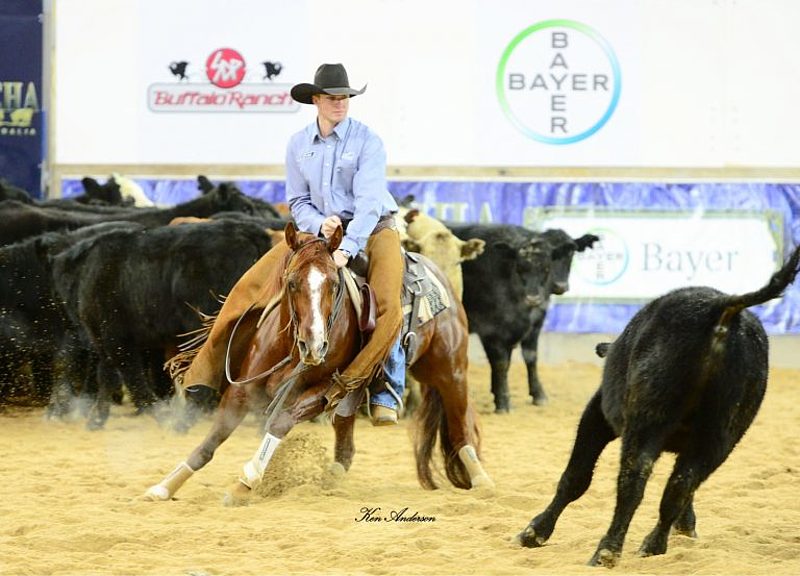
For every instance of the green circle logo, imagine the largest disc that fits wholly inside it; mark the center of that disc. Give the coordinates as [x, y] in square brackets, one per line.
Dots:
[558, 81]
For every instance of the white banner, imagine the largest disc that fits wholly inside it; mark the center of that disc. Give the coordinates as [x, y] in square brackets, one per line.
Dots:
[549, 83]
[642, 256]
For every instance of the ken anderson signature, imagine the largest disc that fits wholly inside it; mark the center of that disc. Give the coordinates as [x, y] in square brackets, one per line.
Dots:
[367, 514]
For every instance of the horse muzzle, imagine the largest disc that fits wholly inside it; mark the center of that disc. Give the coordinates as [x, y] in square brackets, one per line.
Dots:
[312, 355]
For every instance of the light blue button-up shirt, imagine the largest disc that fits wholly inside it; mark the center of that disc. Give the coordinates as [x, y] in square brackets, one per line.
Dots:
[343, 174]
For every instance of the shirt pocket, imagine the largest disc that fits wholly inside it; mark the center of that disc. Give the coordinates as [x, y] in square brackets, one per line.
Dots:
[346, 169]
[307, 162]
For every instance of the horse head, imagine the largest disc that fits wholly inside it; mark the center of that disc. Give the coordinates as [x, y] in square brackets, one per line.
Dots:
[312, 288]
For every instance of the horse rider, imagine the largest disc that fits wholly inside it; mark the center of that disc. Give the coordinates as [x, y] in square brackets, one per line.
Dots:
[335, 176]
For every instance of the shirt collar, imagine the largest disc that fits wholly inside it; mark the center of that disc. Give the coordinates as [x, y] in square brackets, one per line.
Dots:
[339, 130]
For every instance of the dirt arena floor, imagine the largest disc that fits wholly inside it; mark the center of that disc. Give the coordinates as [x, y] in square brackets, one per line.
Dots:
[73, 503]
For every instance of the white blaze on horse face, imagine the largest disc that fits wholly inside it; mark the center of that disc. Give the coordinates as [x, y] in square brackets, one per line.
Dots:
[316, 279]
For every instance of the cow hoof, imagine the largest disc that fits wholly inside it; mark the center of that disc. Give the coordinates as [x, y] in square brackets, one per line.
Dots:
[237, 495]
[653, 545]
[540, 400]
[605, 558]
[95, 424]
[528, 538]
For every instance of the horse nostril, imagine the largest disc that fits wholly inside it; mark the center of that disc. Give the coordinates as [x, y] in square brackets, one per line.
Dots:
[324, 349]
[303, 348]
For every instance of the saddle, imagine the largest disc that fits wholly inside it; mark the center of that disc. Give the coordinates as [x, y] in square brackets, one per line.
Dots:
[423, 297]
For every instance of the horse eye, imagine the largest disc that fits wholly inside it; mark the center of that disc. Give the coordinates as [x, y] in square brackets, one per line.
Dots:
[292, 286]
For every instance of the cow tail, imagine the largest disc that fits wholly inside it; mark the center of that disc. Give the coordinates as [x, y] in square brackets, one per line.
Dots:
[728, 307]
[432, 422]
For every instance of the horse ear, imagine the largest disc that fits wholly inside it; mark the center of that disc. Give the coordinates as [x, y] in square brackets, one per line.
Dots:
[290, 233]
[335, 240]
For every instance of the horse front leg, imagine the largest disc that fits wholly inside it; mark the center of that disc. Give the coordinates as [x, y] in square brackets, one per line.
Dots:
[233, 409]
[309, 404]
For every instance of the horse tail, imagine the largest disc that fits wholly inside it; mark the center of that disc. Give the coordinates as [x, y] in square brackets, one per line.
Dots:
[431, 418]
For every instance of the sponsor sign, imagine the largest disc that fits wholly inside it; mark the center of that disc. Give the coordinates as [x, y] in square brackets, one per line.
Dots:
[222, 87]
[21, 123]
[641, 255]
[558, 81]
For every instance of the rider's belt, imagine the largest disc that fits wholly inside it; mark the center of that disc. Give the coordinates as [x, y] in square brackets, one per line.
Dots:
[383, 223]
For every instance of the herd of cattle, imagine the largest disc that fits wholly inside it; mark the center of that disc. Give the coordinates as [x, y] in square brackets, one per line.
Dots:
[98, 293]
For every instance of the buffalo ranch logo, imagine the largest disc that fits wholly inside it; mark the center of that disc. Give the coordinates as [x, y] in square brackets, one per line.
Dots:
[225, 84]
[558, 81]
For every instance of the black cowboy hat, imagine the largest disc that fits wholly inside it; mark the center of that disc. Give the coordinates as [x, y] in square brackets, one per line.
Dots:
[329, 79]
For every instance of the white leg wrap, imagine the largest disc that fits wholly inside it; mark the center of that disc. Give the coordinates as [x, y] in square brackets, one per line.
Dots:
[254, 469]
[170, 484]
[477, 474]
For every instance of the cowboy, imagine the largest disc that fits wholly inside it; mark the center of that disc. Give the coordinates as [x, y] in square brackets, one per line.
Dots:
[335, 176]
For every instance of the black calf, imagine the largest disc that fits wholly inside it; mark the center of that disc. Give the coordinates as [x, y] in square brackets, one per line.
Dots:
[687, 375]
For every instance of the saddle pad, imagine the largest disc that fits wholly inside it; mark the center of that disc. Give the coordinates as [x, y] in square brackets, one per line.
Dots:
[435, 298]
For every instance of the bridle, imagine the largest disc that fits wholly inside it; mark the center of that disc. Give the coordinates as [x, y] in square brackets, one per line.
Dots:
[273, 304]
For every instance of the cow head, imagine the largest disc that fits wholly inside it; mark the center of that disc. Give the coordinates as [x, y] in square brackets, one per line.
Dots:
[528, 265]
[226, 198]
[563, 248]
[108, 194]
[204, 184]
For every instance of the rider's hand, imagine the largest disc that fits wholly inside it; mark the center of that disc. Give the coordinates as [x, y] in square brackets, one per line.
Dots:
[329, 225]
[340, 257]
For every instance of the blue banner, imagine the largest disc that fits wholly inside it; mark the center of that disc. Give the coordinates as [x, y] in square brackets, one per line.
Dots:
[775, 207]
[22, 130]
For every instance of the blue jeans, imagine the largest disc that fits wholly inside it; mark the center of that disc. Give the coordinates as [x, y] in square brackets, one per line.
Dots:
[395, 373]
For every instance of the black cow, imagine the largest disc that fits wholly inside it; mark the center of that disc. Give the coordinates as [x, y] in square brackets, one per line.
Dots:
[507, 290]
[38, 345]
[178, 70]
[687, 375]
[94, 194]
[10, 192]
[271, 69]
[260, 207]
[136, 292]
[22, 221]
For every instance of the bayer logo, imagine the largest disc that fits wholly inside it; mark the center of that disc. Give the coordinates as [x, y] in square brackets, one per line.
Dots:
[605, 262]
[558, 81]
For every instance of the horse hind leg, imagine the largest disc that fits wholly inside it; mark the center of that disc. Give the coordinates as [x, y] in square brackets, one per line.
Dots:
[446, 409]
[231, 413]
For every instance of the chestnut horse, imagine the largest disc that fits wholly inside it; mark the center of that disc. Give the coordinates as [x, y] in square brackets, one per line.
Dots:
[307, 334]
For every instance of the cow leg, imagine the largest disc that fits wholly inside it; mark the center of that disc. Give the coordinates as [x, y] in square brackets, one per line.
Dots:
[594, 433]
[691, 469]
[685, 524]
[137, 381]
[530, 353]
[499, 355]
[98, 414]
[641, 447]
[233, 409]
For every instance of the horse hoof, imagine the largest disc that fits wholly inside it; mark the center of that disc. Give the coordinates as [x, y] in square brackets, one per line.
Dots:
[157, 493]
[237, 495]
[333, 475]
[482, 481]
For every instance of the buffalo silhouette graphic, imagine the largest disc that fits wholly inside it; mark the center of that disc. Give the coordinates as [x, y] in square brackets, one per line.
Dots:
[178, 69]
